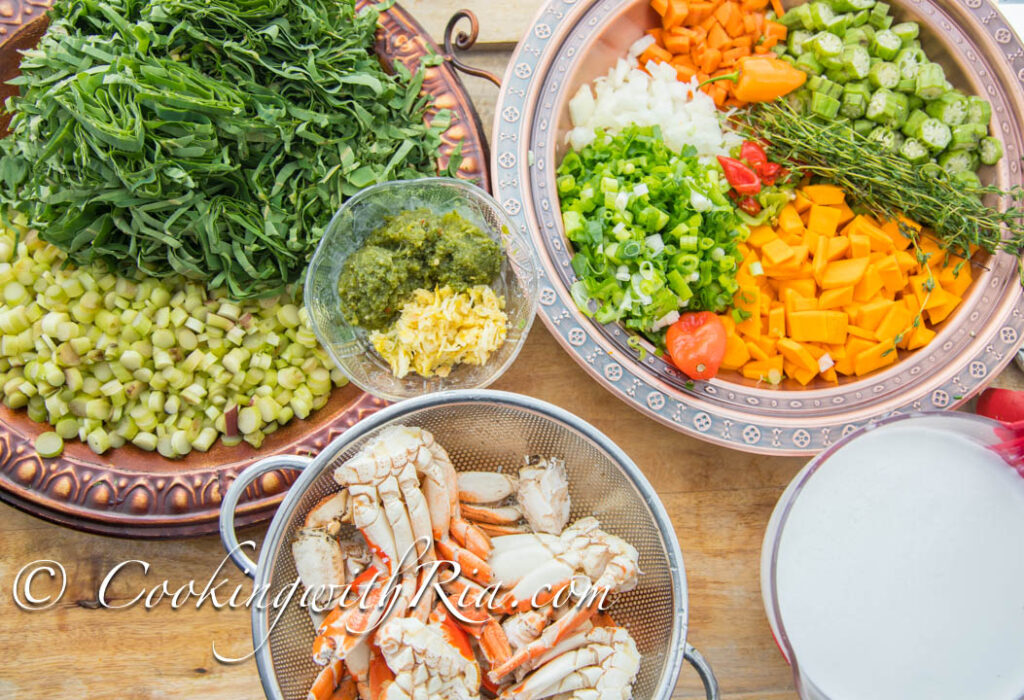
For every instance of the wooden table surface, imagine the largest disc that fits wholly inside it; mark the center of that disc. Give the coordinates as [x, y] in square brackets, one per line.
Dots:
[719, 501]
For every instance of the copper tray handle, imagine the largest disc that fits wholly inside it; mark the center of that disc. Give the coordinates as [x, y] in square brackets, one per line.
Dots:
[464, 42]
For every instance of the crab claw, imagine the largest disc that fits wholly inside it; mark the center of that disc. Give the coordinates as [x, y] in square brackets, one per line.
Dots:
[472, 566]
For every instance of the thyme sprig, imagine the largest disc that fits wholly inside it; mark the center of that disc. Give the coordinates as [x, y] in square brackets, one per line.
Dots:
[886, 184]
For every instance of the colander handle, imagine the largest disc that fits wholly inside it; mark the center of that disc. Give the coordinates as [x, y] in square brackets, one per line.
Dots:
[234, 495]
[707, 676]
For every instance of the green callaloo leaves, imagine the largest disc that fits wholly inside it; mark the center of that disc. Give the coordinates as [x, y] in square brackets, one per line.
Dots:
[210, 138]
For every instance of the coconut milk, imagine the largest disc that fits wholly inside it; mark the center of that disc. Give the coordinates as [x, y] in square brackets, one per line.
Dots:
[901, 570]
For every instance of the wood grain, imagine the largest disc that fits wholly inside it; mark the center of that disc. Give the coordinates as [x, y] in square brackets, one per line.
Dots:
[719, 502]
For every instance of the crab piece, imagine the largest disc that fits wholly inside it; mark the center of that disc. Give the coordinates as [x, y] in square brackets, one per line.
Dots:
[475, 621]
[492, 515]
[524, 627]
[485, 487]
[357, 558]
[493, 531]
[358, 663]
[320, 563]
[346, 627]
[543, 494]
[328, 681]
[601, 664]
[329, 513]
[584, 550]
[425, 661]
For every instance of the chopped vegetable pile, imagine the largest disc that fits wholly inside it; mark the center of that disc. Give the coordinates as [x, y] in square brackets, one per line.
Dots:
[162, 364]
[653, 231]
[708, 41]
[208, 138]
[825, 291]
[872, 71]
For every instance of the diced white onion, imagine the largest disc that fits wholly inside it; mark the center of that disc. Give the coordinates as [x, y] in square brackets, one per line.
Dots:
[640, 45]
[628, 95]
[825, 363]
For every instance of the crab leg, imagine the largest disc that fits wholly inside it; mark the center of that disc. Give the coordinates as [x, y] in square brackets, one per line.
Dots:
[492, 515]
[371, 520]
[479, 624]
[493, 531]
[346, 627]
[380, 675]
[327, 681]
[358, 662]
[550, 637]
[485, 487]
[470, 564]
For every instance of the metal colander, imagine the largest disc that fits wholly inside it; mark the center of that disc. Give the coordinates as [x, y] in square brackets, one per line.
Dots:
[482, 430]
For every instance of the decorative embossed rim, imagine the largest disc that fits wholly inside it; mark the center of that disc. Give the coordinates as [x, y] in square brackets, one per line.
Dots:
[968, 352]
[117, 496]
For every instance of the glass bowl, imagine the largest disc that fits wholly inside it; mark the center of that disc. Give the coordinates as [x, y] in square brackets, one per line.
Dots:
[349, 346]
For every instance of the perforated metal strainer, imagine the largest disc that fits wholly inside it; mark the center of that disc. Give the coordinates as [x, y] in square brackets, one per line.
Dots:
[482, 430]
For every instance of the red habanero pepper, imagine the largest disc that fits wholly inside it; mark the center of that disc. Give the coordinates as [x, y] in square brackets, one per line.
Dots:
[743, 179]
[750, 205]
[754, 155]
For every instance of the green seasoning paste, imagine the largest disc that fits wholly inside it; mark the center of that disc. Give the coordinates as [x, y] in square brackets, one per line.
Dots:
[413, 250]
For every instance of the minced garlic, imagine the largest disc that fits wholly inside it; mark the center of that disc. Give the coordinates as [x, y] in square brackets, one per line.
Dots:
[440, 329]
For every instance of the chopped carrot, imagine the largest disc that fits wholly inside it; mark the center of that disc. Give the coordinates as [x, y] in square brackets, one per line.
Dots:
[710, 61]
[703, 38]
[675, 14]
[717, 37]
[775, 29]
[779, 9]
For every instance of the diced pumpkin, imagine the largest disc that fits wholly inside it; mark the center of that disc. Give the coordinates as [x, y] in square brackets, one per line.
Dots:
[789, 221]
[803, 376]
[928, 298]
[776, 252]
[953, 282]
[843, 273]
[875, 357]
[759, 235]
[764, 370]
[801, 203]
[805, 287]
[869, 285]
[824, 220]
[817, 326]
[797, 354]
[860, 245]
[897, 320]
[755, 350]
[777, 322]
[899, 241]
[939, 314]
[906, 261]
[829, 195]
[736, 352]
[835, 298]
[871, 313]
[893, 279]
[837, 248]
[917, 337]
[858, 332]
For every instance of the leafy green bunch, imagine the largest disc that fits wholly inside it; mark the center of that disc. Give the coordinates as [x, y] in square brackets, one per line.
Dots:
[209, 138]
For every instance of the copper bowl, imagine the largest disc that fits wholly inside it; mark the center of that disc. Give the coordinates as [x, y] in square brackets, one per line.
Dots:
[130, 492]
[568, 46]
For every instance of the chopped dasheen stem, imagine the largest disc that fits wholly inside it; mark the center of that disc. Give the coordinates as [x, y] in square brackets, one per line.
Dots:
[49, 444]
[156, 363]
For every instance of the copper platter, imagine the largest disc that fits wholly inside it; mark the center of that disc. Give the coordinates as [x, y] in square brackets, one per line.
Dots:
[571, 42]
[130, 492]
